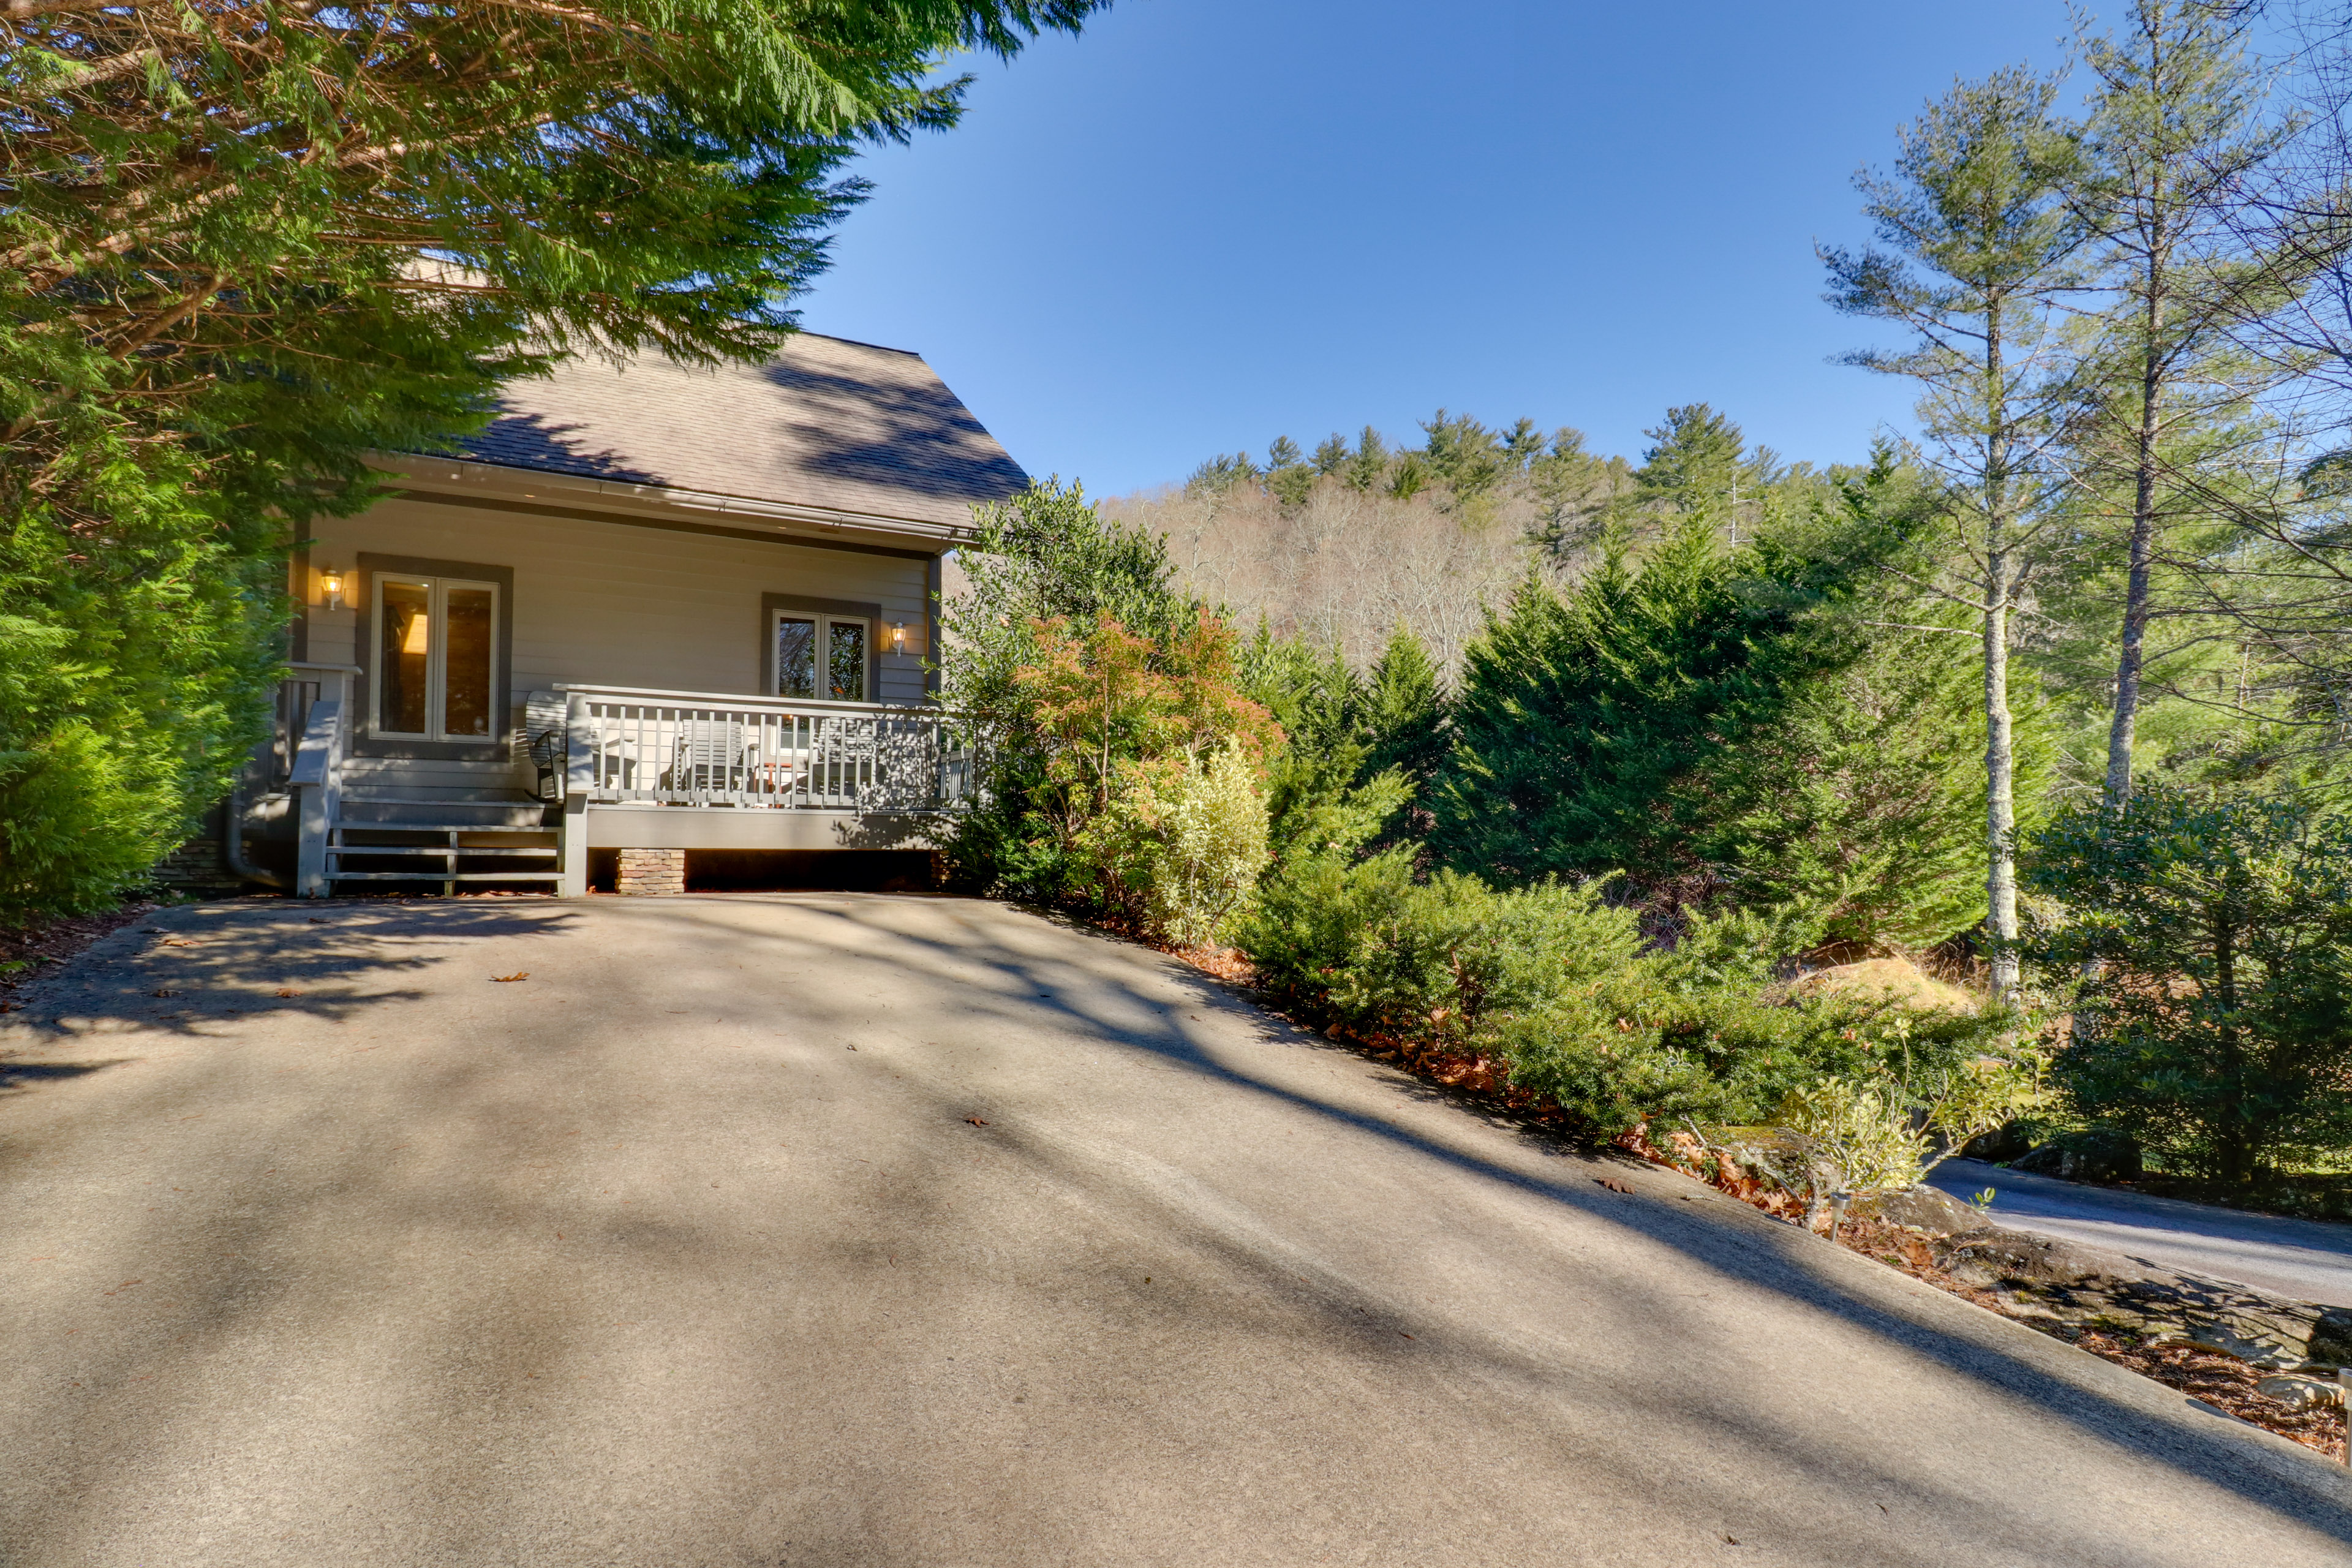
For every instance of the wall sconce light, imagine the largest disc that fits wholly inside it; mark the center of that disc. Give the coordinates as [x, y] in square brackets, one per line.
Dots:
[331, 582]
[898, 637]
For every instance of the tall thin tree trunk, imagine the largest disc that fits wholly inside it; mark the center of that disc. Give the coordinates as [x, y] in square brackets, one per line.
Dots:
[2000, 758]
[2129, 660]
[2000, 777]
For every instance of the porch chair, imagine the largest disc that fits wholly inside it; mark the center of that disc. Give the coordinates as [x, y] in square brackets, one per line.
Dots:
[710, 757]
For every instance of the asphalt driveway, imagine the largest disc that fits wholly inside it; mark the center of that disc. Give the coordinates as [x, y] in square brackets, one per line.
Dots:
[839, 1230]
[2301, 1259]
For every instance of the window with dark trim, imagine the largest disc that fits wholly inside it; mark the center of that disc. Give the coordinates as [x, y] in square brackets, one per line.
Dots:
[435, 640]
[818, 649]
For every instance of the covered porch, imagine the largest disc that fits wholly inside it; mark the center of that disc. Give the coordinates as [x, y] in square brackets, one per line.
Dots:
[611, 768]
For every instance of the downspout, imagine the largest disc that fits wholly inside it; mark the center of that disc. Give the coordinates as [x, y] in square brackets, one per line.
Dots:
[232, 843]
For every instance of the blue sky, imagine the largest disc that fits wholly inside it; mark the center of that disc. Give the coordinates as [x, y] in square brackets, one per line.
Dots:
[1207, 223]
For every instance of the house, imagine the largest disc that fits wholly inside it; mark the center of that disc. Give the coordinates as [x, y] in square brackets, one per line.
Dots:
[651, 609]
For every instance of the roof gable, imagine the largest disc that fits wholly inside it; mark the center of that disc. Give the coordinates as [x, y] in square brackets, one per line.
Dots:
[827, 423]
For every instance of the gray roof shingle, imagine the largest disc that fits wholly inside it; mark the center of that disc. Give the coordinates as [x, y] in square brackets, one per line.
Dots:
[827, 423]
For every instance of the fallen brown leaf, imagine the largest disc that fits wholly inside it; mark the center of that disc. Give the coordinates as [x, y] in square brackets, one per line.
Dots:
[510, 979]
[288, 991]
[1613, 1184]
[164, 993]
[975, 1121]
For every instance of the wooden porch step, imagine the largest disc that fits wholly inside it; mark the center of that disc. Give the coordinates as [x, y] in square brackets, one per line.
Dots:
[441, 851]
[434, 850]
[441, 829]
[444, 877]
[471, 809]
[500, 830]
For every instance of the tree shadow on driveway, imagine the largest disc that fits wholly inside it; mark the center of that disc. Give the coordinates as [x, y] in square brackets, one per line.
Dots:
[1731, 1241]
[192, 966]
[495, 1255]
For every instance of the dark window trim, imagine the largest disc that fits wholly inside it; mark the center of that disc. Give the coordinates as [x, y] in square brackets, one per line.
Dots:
[801, 604]
[299, 589]
[365, 742]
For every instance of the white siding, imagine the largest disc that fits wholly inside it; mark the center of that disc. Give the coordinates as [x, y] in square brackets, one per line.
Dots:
[619, 605]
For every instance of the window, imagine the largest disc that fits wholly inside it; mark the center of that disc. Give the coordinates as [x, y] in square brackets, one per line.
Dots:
[821, 656]
[435, 657]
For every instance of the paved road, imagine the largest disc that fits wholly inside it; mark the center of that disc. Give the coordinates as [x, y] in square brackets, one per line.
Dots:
[837, 1231]
[2303, 1259]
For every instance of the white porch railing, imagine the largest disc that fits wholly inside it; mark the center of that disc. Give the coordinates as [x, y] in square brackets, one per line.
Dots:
[690, 748]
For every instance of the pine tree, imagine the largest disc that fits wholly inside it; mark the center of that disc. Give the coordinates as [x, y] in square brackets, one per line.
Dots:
[1463, 456]
[2181, 146]
[1700, 466]
[1981, 248]
[1288, 475]
[1403, 710]
[1578, 495]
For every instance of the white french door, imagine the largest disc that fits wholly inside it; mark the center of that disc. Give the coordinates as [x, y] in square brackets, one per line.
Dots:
[435, 655]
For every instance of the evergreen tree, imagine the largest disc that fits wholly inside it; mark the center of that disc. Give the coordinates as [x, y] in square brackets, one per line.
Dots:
[1409, 476]
[1578, 495]
[1222, 474]
[1699, 466]
[1314, 696]
[1463, 456]
[1404, 720]
[1863, 802]
[1761, 727]
[1980, 250]
[2176, 135]
[245, 244]
[1522, 444]
[1330, 455]
[1371, 460]
[1694, 459]
[1579, 716]
[1288, 475]
[2216, 1017]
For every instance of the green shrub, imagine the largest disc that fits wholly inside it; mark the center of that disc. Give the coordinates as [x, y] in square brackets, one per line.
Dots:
[1180, 846]
[1363, 942]
[1313, 912]
[2216, 1023]
[1552, 980]
[135, 664]
[78, 823]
